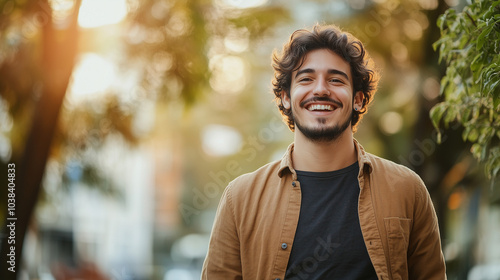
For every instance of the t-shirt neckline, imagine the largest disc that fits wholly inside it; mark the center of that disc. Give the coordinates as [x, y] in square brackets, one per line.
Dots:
[327, 174]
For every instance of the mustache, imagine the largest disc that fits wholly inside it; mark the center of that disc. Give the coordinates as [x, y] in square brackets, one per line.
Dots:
[319, 99]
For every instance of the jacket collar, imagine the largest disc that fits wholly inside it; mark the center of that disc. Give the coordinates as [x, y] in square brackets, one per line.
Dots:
[286, 162]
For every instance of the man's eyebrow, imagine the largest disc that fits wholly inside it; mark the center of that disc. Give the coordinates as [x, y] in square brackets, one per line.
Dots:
[306, 70]
[330, 71]
[335, 71]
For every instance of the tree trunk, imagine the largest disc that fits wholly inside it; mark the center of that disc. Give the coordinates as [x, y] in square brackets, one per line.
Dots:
[59, 49]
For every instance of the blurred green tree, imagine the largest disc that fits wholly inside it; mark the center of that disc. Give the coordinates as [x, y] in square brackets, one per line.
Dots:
[470, 45]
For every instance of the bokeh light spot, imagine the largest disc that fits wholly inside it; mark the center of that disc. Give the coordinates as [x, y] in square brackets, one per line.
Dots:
[428, 4]
[431, 88]
[402, 96]
[412, 29]
[399, 52]
[391, 122]
[455, 200]
[237, 40]
[452, 3]
[228, 74]
[221, 140]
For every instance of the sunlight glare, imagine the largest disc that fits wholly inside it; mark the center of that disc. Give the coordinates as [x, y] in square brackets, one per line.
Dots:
[241, 4]
[95, 13]
[61, 9]
[93, 74]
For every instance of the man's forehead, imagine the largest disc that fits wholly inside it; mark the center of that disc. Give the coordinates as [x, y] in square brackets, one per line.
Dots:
[323, 59]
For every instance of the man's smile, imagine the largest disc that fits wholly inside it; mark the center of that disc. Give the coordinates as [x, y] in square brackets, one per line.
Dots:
[320, 104]
[320, 107]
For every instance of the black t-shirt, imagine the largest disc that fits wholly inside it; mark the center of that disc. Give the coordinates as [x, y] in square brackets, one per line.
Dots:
[328, 242]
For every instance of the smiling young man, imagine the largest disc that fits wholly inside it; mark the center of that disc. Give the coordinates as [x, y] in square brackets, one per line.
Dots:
[327, 209]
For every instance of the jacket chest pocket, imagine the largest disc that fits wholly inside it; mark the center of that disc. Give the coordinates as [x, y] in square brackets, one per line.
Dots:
[398, 236]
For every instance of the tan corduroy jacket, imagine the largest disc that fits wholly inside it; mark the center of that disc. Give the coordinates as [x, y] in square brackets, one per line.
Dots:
[257, 217]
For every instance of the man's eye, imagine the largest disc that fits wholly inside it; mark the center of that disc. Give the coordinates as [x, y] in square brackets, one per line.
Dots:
[336, 81]
[305, 80]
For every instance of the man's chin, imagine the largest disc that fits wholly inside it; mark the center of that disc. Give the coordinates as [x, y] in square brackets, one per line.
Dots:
[322, 131]
[322, 134]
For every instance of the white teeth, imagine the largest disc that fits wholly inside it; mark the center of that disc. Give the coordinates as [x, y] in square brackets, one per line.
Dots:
[319, 107]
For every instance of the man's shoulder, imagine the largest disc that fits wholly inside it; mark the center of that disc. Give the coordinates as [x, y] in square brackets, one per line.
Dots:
[393, 172]
[398, 180]
[269, 170]
[255, 183]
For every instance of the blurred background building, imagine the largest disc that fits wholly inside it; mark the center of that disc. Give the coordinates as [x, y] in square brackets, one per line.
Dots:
[168, 100]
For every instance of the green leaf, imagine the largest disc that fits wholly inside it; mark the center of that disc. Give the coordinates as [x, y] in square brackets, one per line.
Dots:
[465, 133]
[485, 134]
[438, 43]
[483, 36]
[473, 134]
[495, 169]
[436, 113]
[476, 150]
[451, 114]
[496, 103]
[465, 114]
[440, 21]
[470, 46]
[476, 62]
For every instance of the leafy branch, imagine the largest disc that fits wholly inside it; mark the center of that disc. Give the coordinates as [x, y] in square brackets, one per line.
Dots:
[470, 46]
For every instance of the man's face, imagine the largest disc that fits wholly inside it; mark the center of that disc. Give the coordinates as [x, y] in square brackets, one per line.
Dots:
[321, 96]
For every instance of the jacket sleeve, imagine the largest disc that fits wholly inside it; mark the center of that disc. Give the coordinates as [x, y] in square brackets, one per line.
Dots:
[223, 257]
[425, 257]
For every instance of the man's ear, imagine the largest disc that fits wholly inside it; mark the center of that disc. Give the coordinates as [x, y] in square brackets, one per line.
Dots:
[285, 100]
[358, 100]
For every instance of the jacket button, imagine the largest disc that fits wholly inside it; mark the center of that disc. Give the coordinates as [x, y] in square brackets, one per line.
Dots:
[293, 184]
[284, 246]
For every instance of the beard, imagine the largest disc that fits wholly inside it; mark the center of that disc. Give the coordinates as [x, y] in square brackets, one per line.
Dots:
[322, 134]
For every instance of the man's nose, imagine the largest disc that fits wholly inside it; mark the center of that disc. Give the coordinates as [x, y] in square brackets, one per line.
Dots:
[321, 88]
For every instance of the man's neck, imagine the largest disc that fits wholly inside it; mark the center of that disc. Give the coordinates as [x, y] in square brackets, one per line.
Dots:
[323, 156]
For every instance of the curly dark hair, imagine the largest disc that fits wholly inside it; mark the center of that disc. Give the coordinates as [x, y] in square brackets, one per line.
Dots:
[302, 41]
